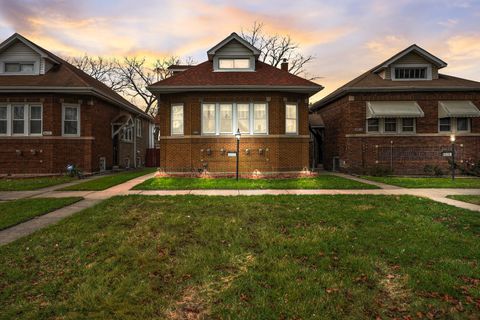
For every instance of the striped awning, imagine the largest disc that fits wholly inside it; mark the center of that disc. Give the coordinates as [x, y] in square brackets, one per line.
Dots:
[457, 109]
[393, 109]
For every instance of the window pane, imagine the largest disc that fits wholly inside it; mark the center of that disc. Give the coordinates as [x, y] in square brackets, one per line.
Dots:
[208, 118]
[35, 126]
[290, 118]
[12, 67]
[18, 112]
[70, 127]
[18, 126]
[242, 63]
[225, 63]
[445, 124]
[243, 117]
[3, 126]
[177, 119]
[35, 112]
[226, 118]
[390, 125]
[462, 124]
[71, 113]
[408, 124]
[3, 113]
[260, 118]
[27, 67]
[373, 125]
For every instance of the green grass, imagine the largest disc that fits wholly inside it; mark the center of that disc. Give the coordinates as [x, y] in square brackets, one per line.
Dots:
[258, 257]
[424, 182]
[17, 211]
[320, 182]
[26, 184]
[108, 181]
[466, 198]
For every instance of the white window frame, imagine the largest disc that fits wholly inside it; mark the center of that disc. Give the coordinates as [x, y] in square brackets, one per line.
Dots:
[296, 118]
[30, 119]
[79, 128]
[235, 121]
[233, 60]
[127, 134]
[4, 67]
[176, 105]
[8, 120]
[418, 65]
[220, 119]
[25, 118]
[454, 125]
[251, 115]
[381, 127]
[138, 127]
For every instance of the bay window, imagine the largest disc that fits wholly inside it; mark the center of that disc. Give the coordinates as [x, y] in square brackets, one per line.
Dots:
[291, 117]
[21, 119]
[177, 119]
[70, 120]
[227, 118]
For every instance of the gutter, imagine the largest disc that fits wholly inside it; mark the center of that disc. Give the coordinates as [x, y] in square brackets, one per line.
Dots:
[172, 89]
[318, 105]
[75, 90]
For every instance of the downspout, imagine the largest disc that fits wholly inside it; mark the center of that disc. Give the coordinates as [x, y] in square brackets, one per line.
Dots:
[135, 142]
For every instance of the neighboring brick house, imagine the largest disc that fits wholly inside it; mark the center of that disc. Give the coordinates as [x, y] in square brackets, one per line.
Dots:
[400, 115]
[52, 114]
[201, 107]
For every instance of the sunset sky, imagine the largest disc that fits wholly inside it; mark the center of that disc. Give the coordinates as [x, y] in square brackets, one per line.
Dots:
[346, 37]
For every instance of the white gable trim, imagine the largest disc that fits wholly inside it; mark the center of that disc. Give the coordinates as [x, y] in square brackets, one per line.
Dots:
[231, 37]
[17, 37]
[414, 48]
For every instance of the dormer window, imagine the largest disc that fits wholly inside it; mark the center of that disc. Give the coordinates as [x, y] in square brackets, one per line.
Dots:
[19, 67]
[233, 63]
[410, 73]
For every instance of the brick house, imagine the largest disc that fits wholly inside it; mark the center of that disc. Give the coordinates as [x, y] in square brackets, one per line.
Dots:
[53, 114]
[400, 115]
[201, 107]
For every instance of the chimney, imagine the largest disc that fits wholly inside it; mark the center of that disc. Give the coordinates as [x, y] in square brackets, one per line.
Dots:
[284, 65]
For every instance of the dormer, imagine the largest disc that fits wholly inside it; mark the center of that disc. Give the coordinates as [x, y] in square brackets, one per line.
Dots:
[233, 54]
[411, 64]
[18, 56]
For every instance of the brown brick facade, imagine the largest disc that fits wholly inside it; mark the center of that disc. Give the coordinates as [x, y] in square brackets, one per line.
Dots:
[49, 154]
[359, 152]
[266, 153]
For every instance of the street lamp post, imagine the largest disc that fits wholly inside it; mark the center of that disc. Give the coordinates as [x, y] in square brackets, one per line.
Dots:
[452, 140]
[237, 136]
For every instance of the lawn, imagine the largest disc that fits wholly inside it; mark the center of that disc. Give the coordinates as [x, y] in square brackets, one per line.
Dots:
[108, 181]
[466, 198]
[25, 184]
[425, 182]
[17, 211]
[258, 257]
[320, 182]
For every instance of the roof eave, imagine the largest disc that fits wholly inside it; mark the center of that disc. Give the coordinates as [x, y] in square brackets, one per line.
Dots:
[322, 103]
[74, 90]
[174, 89]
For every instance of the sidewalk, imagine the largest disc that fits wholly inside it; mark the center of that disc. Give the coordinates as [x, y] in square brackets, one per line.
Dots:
[93, 197]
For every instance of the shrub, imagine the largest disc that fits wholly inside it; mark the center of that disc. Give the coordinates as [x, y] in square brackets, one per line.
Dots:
[433, 170]
[379, 171]
[471, 168]
[437, 171]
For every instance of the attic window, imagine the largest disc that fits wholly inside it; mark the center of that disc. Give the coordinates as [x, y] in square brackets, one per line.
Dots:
[228, 63]
[410, 73]
[16, 67]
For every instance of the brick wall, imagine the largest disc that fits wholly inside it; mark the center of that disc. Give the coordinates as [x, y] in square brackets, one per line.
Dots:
[271, 153]
[359, 152]
[50, 154]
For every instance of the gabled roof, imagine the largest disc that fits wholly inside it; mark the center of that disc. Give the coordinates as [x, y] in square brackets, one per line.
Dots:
[413, 48]
[370, 81]
[62, 78]
[202, 77]
[231, 37]
[18, 37]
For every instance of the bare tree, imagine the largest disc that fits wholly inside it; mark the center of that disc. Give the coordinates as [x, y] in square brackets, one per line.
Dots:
[130, 76]
[104, 70]
[275, 48]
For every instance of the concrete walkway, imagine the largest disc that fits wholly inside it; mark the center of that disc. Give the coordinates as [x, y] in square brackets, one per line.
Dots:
[93, 197]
